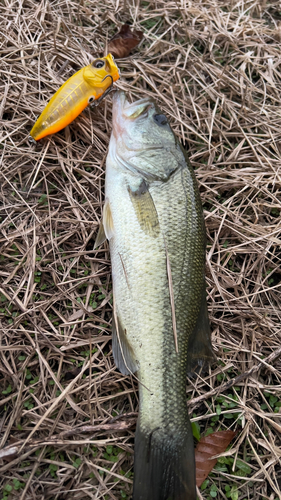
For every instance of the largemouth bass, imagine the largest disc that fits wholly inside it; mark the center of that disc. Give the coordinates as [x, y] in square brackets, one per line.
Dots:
[153, 220]
[88, 85]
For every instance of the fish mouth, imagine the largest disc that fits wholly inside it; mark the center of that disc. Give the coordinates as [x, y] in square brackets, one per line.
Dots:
[123, 114]
[130, 110]
[123, 111]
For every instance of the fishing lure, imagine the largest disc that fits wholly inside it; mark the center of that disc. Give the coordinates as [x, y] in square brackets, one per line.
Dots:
[88, 85]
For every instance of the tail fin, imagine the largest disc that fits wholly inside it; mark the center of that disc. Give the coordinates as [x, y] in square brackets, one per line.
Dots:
[164, 465]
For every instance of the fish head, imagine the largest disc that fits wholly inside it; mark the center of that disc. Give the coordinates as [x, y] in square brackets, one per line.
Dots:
[101, 72]
[142, 138]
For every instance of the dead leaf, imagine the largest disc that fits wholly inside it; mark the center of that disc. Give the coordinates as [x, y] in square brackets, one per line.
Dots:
[9, 453]
[209, 446]
[124, 41]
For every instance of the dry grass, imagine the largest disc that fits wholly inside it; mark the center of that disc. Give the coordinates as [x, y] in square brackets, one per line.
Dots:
[214, 67]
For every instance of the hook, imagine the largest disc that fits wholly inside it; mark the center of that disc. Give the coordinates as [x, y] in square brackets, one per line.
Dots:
[108, 76]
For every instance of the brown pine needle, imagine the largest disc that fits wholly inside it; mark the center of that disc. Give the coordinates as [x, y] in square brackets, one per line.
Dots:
[171, 292]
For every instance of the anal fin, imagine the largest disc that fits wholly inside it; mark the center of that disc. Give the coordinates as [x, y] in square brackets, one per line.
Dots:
[122, 351]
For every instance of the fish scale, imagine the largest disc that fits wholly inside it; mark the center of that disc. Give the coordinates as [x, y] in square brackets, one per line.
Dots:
[154, 222]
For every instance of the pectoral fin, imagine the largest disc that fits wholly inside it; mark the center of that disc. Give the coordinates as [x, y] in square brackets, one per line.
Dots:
[122, 351]
[200, 349]
[106, 226]
[145, 209]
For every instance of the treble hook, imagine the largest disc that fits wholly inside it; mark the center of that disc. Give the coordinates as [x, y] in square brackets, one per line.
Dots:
[108, 76]
[108, 90]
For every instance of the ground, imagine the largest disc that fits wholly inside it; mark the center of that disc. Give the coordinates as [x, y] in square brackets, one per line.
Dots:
[214, 69]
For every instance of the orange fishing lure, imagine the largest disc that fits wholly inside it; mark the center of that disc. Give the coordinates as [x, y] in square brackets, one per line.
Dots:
[89, 84]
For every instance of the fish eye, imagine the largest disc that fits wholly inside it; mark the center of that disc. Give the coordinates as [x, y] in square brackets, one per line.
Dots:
[99, 63]
[160, 120]
[91, 99]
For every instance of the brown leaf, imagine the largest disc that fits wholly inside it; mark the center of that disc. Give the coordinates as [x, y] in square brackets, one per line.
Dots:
[208, 446]
[124, 41]
[9, 454]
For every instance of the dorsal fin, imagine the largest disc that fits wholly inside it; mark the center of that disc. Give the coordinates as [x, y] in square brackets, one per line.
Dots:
[200, 349]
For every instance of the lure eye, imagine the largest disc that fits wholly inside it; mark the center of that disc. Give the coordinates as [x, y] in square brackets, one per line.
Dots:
[99, 63]
[160, 120]
[91, 99]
